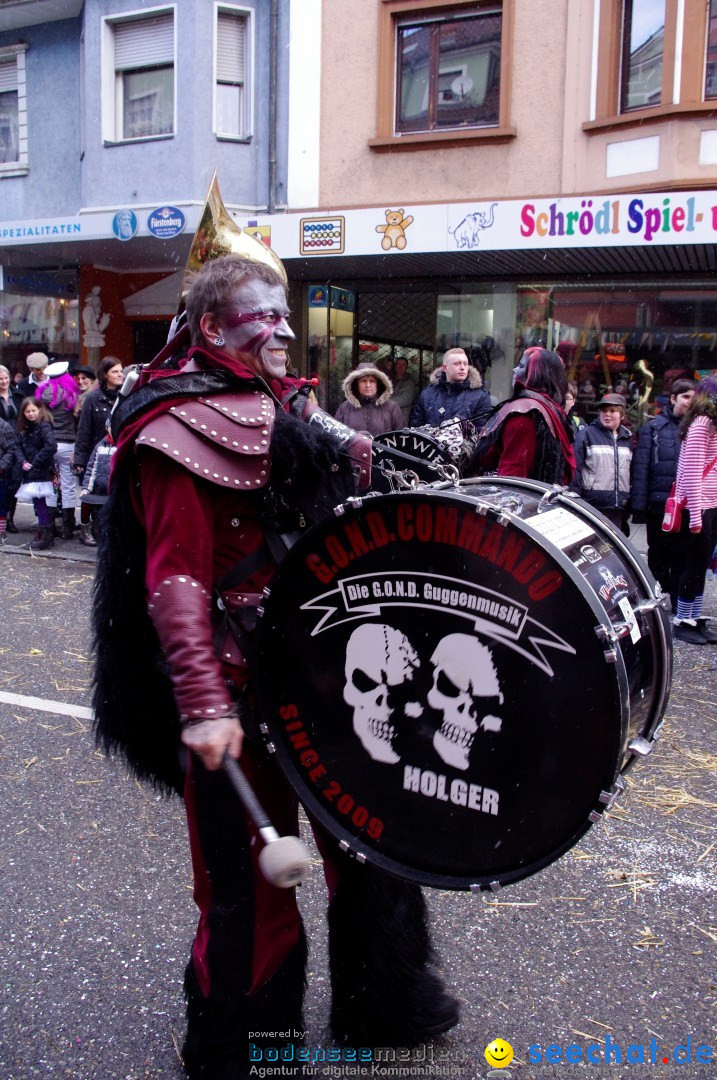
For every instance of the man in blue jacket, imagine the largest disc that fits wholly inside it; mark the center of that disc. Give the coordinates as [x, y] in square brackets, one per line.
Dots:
[455, 393]
[654, 467]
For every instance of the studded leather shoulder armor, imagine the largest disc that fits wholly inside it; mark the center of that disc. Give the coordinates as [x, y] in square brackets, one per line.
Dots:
[225, 438]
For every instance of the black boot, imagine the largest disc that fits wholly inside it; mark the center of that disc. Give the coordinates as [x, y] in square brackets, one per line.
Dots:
[46, 539]
[384, 990]
[11, 526]
[68, 524]
[217, 1045]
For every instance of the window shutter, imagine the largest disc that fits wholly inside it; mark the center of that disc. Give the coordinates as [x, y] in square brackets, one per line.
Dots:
[8, 76]
[144, 42]
[230, 48]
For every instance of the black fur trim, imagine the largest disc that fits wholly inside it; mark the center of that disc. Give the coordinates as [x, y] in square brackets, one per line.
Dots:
[310, 473]
[216, 1046]
[135, 713]
[384, 991]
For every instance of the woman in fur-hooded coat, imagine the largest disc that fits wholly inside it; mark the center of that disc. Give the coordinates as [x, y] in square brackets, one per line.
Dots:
[367, 409]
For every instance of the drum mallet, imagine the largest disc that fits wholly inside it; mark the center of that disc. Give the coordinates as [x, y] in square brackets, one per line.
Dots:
[284, 860]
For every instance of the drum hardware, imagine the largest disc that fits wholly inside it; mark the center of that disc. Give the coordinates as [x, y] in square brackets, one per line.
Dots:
[608, 797]
[405, 479]
[449, 473]
[641, 746]
[614, 632]
[550, 496]
[359, 856]
[284, 860]
[660, 600]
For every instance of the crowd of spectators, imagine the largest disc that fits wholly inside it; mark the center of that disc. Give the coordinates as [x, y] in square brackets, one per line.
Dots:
[54, 432]
[51, 423]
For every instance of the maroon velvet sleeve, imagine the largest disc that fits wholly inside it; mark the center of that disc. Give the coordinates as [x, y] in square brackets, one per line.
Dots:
[178, 517]
[519, 445]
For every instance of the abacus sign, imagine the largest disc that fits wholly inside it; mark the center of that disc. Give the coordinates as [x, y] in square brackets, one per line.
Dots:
[419, 666]
[322, 236]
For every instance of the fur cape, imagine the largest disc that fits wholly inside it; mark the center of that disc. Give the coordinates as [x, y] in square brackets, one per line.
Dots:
[135, 713]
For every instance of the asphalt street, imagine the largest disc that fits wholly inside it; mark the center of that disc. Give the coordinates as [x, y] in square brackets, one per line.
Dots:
[612, 946]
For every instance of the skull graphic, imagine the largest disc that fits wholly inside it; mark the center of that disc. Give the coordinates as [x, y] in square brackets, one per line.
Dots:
[378, 658]
[463, 675]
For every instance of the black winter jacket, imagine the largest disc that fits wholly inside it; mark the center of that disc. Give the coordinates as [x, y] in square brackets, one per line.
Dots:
[92, 429]
[444, 400]
[38, 445]
[654, 463]
[8, 448]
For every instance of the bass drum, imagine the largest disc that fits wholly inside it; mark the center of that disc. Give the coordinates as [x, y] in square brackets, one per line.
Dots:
[455, 679]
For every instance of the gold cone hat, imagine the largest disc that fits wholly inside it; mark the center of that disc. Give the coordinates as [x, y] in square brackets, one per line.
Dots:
[218, 234]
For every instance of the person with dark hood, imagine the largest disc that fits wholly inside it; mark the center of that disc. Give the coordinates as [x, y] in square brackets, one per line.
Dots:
[529, 435]
[211, 449]
[654, 467]
[455, 392]
[367, 404]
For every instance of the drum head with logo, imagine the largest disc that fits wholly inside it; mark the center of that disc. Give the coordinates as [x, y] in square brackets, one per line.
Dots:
[433, 686]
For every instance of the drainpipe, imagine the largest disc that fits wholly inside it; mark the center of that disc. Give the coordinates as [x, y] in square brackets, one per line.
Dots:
[273, 65]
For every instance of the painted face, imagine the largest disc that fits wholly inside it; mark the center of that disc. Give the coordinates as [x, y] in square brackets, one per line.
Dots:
[367, 385]
[456, 367]
[263, 340]
[32, 412]
[680, 402]
[520, 372]
[115, 376]
[4, 381]
[611, 417]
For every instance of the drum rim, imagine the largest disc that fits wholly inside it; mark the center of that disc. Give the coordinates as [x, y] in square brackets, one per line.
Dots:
[350, 842]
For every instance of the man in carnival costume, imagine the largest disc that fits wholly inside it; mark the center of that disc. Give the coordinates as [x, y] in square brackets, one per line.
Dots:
[529, 435]
[219, 454]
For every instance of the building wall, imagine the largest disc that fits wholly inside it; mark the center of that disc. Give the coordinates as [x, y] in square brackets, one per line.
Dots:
[147, 171]
[612, 159]
[354, 174]
[53, 74]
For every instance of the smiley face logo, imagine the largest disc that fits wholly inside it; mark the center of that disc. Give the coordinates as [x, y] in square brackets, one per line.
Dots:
[499, 1053]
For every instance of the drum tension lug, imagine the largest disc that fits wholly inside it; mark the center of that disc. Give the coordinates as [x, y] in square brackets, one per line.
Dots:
[608, 797]
[640, 746]
[594, 816]
[494, 886]
[549, 497]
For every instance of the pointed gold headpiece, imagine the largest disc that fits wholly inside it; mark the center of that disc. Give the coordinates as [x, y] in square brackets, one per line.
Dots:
[218, 234]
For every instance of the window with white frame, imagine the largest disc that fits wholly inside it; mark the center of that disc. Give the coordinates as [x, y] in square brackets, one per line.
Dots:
[143, 65]
[232, 70]
[13, 110]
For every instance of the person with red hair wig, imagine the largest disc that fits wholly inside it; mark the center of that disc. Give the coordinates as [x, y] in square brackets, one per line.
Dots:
[529, 435]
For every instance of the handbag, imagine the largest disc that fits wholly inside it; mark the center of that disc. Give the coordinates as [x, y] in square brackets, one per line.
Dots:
[672, 519]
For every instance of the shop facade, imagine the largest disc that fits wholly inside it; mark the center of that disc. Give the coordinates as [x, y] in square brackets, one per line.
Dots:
[622, 285]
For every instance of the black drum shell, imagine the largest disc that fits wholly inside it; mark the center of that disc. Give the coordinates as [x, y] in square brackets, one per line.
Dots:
[444, 796]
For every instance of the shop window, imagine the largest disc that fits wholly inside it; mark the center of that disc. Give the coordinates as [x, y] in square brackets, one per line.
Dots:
[13, 111]
[654, 59]
[443, 72]
[231, 98]
[140, 65]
